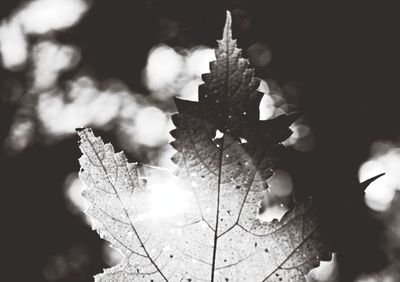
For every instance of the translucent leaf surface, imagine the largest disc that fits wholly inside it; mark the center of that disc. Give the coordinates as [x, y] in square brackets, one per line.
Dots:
[226, 155]
[188, 245]
[202, 225]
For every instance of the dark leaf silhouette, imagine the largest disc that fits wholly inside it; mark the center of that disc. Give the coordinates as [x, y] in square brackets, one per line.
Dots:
[364, 185]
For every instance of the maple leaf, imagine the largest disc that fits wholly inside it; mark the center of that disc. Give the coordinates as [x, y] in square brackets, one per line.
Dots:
[209, 229]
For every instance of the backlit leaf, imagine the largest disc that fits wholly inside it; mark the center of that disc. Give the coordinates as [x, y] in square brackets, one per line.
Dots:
[203, 224]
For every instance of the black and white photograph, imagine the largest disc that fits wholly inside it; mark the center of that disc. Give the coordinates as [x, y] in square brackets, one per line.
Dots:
[199, 141]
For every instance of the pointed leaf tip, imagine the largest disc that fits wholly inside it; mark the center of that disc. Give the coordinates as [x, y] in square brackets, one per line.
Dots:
[228, 26]
[228, 18]
[367, 182]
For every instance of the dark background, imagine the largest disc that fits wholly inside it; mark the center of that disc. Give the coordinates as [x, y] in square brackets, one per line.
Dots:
[344, 54]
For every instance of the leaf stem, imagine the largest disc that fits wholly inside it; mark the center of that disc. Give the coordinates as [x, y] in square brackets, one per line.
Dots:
[227, 36]
[217, 212]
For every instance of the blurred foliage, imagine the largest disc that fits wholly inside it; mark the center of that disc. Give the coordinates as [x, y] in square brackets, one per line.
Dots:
[335, 62]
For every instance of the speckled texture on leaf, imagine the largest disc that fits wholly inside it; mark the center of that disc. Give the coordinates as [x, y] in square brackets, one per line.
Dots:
[181, 247]
[225, 154]
[224, 159]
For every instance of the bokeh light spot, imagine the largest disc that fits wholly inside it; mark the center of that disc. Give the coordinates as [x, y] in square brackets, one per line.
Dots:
[151, 127]
[259, 54]
[164, 66]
